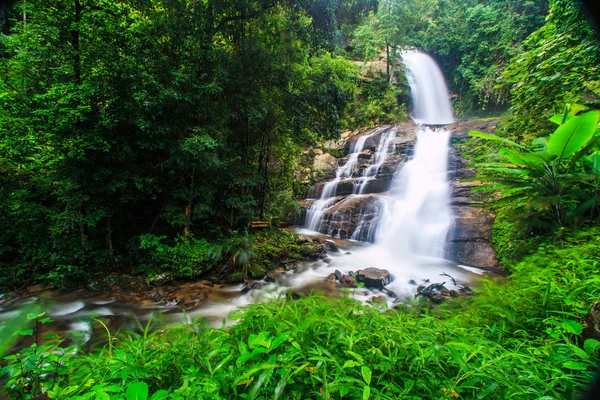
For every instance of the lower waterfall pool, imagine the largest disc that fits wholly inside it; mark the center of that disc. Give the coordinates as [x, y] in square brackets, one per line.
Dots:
[76, 313]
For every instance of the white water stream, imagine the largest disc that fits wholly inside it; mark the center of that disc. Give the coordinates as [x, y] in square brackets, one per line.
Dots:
[408, 227]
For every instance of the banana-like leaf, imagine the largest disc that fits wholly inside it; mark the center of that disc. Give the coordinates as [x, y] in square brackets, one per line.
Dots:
[560, 119]
[540, 144]
[487, 136]
[587, 149]
[570, 137]
[592, 162]
[527, 159]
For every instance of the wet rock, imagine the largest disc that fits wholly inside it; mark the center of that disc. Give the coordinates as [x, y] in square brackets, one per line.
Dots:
[374, 277]
[275, 274]
[436, 292]
[331, 280]
[96, 286]
[465, 291]
[252, 285]
[331, 247]
[378, 300]
[290, 265]
[160, 279]
[390, 293]
[348, 253]
[314, 252]
[412, 282]
[337, 274]
[454, 293]
[327, 260]
[301, 239]
[347, 281]
[593, 321]
[470, 241]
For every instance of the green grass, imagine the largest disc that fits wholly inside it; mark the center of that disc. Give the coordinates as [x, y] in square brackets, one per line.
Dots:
[521, 338]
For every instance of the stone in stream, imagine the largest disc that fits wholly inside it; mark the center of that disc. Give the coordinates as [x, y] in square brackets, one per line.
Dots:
[378, 300]
[374, 277]
[337, 274]
[347, 281]
[290, 265]
[275, 274]
[330, 246]
[412, 282]
[161, 279]
[327, 260]
[252, 286]
[303, 239]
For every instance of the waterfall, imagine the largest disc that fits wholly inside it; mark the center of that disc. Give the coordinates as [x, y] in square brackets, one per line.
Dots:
[386, 143]
[416, 216]
[316, 212]
[429, 94]
[420, 214]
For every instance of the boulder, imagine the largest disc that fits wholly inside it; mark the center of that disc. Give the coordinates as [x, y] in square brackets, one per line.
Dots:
[593, 321]
[378, 300]
[470, 240]
[374, 277]
[325, 164]
[275, 274]
[160, 279]
[347, 281]
[331, 247]
[301, 239]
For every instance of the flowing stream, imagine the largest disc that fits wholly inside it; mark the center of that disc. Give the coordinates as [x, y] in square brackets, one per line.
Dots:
[407, 228]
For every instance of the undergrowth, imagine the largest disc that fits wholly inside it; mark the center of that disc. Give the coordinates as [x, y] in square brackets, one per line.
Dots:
[522, 338]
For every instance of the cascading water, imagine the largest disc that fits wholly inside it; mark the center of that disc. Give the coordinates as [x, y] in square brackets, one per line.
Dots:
[386, 143]
[420, 214]
[431, 102]
[316, 212]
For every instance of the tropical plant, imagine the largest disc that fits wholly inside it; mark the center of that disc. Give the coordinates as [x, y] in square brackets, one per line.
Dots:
[556, 180]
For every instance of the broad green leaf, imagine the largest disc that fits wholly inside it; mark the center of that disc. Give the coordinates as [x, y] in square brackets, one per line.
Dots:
[102, 396]
[591, 346]
[137, 391]
[366, 393]
[560, 119]
[540, 144]
[527, 159]
[24, 332]
[366, 374]
[576, 365]
[160, 395]
[573, 327]
[350, 364]
[570, 137]
[488, 136]
[32, 316]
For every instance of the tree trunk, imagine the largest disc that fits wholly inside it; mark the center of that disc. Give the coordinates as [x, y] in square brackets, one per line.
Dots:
[188, 208]
[83, 236]
[387, 52]
[266, 180]
[108, 234]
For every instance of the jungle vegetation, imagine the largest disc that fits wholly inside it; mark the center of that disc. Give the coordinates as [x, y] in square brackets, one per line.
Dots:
[141, 135]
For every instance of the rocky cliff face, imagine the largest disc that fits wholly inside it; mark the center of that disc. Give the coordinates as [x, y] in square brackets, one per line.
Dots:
[350, 215]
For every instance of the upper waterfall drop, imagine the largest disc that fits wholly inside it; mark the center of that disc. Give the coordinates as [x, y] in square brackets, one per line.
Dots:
[429, 93]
